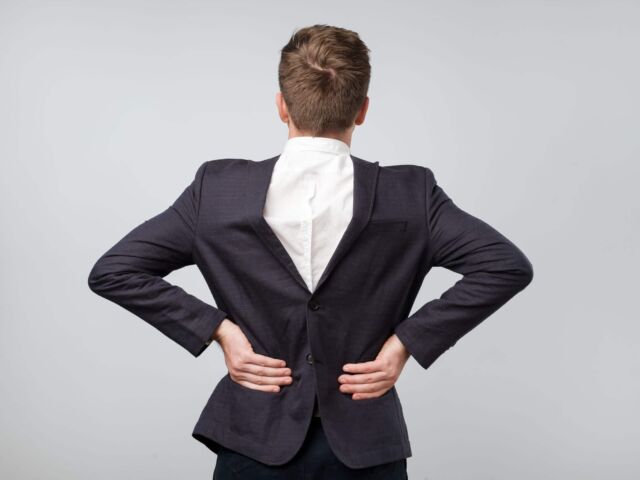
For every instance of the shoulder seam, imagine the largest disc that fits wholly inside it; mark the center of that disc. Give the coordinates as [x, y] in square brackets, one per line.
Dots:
[200, 188]
[427, 187]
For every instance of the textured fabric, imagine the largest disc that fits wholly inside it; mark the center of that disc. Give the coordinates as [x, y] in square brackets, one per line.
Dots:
[314, 461]
[310, 202]
[403, 224]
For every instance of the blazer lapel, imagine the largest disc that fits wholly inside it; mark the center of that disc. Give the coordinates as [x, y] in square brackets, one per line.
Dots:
[365, 176]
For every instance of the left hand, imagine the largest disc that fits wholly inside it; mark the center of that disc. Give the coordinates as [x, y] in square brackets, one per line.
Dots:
[372, 379]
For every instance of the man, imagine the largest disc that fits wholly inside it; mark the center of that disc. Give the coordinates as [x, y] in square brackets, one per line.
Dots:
[314, 258]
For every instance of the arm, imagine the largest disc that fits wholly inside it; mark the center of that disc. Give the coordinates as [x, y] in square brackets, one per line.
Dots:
[131, 273]
[493, 269]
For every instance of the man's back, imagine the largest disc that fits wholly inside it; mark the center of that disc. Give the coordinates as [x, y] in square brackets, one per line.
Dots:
[403, 224]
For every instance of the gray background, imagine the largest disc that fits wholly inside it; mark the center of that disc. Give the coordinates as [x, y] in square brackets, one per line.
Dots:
[527, 112]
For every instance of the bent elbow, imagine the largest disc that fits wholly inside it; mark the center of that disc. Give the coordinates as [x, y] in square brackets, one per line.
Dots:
[524, 270]
[98, 277]
[93, 280]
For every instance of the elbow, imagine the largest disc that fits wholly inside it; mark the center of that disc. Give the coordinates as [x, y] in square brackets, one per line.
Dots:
[93, 280]
[109, 275]
[97, 277]
[523, 270]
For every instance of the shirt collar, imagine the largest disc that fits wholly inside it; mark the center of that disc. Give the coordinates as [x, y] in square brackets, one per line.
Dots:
[322, 144]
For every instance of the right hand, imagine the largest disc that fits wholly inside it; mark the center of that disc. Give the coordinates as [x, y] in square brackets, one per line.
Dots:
[247, 367]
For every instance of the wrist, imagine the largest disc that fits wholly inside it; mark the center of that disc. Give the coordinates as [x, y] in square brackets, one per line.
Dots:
[218, 332]
[402, 347]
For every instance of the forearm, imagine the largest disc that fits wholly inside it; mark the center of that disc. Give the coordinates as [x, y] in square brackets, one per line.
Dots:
[131, 273]
[494, 270]
[440, 323]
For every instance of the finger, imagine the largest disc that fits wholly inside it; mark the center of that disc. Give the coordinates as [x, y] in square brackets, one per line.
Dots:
[260, 380]
[364, 396]
[264, 388]
[259, 359]
[363, 388]
[266, 371]
[363, 377]
[364, 367]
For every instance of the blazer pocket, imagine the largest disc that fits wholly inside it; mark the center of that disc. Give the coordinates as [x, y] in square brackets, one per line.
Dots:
[387, 225]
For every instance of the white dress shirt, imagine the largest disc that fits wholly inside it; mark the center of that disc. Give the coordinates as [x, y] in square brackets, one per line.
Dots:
[310, 201]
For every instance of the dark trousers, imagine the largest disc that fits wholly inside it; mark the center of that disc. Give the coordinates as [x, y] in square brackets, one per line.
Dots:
[314, 461]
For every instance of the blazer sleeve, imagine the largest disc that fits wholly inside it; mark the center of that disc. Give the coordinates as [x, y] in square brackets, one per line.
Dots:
[493, 269]
[131, 273]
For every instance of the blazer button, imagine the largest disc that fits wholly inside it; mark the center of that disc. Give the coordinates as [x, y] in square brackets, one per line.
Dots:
[309, 359]
[314, 306]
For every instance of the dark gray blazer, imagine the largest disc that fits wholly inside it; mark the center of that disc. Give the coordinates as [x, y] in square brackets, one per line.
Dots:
[403, 224]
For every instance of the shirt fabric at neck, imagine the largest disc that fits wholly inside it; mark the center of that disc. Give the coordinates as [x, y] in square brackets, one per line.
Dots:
[310, 201]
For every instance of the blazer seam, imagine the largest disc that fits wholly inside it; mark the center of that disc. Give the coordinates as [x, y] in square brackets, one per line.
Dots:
[429, 241]
[195, 229]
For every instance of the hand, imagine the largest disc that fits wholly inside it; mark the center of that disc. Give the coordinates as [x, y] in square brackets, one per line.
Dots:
[372, 379]
[247, 367]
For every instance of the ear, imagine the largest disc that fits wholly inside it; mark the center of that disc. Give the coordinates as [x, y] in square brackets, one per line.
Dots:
[283, 112]
[363, 112]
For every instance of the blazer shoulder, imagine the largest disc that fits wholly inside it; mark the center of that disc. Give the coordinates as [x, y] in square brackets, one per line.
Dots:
[219, 171]
[419, 171]
[407, 168]
[219, 165]
[407, 171]
[232, 164]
